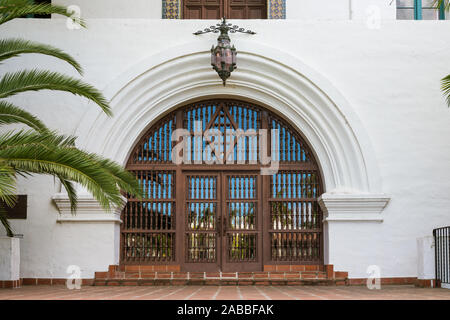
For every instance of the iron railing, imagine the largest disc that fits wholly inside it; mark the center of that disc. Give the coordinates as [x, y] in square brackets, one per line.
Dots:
[442, 247]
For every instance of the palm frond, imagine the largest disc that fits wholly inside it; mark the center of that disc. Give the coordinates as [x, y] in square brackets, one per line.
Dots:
[13, 47]
[7, 185]
[124, 179]
[440, 3]
[71, 193]
[4, 221]
[41, 151]
[10, 114]
[100, 185]
[12, 9]
[7, 194]
[35, 80]
[46, 140]
[445, 86]
[52, 154]
[69, 164]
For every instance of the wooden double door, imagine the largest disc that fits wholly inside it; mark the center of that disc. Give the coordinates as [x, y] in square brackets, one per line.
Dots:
[231, 9]
[226, 215]
[223, 221]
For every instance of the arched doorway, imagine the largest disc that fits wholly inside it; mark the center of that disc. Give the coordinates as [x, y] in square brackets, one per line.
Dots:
[219, 213]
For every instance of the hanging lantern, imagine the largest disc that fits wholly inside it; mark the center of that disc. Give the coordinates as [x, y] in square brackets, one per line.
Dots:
[223, 56]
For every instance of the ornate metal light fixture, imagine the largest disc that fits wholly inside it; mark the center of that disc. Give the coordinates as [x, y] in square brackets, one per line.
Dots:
[223, 56]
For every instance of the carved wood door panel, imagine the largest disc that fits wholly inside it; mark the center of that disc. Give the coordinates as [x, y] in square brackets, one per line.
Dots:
[231, 9]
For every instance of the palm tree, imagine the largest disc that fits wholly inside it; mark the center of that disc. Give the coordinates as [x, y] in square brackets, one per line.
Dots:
[39, 150]
[446, 88]
[444, 3]
[445, 82]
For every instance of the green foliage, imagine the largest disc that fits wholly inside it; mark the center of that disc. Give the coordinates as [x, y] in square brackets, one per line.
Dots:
[445, 83]
[10, 48]
[35, 80]
[48, 153]
[7, 194]
[4, 221]
[12, 9]
[446, 88]
[445, 3]
[7, 184]
[39, 150]
[10, 114]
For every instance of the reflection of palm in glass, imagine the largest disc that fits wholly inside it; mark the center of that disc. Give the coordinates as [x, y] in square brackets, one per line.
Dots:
[156, 246]
[284, 217]
[242, 246]
[202, 247]
[202, 219]
[293, 215]
[295, 246]
[242, 216]
[294, 185]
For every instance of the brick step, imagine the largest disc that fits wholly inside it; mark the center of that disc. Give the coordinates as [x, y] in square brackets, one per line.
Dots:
[147, 275]
[176, 268]
[307, 275]
[215, 282]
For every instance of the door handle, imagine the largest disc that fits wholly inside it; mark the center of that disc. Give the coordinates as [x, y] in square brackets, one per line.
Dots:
[219, 227]
[224, 225]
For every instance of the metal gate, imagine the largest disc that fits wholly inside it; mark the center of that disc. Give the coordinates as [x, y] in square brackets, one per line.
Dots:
[215, 210]
[442, 256]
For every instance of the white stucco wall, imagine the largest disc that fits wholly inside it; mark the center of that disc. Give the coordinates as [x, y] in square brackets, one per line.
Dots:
[312, 9]
[426, 258]
[340, 9]
[10, 258]
[373, 9]
[116, 9]
[389, 76]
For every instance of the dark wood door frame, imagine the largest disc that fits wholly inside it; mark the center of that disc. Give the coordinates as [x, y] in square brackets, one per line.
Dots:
[190, 234]
[251, 260]
[289, 220]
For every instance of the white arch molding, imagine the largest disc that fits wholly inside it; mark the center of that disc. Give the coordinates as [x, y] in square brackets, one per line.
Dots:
[272, 78]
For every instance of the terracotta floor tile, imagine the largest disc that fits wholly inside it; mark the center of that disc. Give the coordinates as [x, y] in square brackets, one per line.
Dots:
[223, 293]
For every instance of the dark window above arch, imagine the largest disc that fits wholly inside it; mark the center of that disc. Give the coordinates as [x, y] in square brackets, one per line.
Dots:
[232, 9]
[216, 9]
